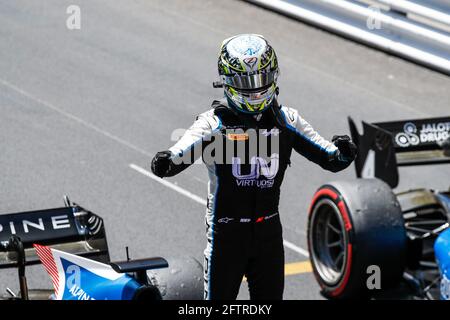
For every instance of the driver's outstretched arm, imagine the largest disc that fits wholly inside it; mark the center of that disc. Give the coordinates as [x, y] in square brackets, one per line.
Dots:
[188, 149]
[313, 146]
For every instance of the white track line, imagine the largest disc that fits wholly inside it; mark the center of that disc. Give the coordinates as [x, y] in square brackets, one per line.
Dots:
[168, 184]
[295, 248]
[202, 201]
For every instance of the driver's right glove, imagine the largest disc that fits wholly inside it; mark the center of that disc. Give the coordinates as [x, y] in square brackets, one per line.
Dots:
[161, 163]
[347, 149]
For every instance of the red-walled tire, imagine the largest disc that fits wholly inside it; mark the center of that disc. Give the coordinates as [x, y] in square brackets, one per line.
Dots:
[353, 225]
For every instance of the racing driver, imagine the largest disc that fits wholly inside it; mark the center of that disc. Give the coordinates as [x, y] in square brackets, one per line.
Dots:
[244, 232]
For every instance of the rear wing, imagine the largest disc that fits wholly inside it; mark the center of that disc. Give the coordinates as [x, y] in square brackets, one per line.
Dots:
[384, 146]
[72, 229]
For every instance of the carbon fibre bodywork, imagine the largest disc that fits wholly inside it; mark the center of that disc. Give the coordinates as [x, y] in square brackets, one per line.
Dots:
[426, 213]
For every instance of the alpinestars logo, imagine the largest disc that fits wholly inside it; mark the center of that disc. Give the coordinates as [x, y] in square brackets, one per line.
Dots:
[225, 220]
[258, 167]
[272, 132]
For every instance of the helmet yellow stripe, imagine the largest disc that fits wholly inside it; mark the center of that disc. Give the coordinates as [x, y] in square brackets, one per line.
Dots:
[249, 106]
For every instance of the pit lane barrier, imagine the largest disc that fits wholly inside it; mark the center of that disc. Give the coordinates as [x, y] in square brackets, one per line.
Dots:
[418, 30]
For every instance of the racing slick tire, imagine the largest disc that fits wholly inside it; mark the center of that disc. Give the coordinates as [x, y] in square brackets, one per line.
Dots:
[356, 228]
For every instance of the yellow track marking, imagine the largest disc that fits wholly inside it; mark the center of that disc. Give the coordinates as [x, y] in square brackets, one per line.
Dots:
[297, 268]
[293, 268]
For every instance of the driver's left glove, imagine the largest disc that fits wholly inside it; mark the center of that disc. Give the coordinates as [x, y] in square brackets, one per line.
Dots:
[347, 149]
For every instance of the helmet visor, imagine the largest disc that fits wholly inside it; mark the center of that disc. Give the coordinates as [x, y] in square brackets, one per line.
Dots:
[251, 101]
[250, 81]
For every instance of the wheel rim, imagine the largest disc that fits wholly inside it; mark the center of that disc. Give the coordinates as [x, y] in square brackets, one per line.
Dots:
[328, 242]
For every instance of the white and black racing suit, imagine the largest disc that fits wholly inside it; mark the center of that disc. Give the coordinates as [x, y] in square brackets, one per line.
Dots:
[243, 226]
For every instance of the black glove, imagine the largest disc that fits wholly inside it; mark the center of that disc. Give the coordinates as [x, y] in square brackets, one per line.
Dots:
[347, 149]
[161, 163]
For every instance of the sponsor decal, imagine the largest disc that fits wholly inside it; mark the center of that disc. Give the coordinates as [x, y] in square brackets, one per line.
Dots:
[258, 167]
[55, 223]
[78, 278]
[264, 218]
[425, 133]
[273, 132]
[225, 220]
[408, 137]
[37, 225]
[250, 61]
[237, 136]
[271, 216]
[79, 293]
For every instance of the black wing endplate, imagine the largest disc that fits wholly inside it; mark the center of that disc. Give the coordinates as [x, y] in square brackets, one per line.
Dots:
[71, 229]
[384, 146]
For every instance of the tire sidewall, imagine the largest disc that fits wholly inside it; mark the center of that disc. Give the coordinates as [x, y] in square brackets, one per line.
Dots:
[376, 234]
[330, 193]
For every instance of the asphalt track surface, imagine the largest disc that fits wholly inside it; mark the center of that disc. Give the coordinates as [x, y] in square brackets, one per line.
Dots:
[78, 107]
